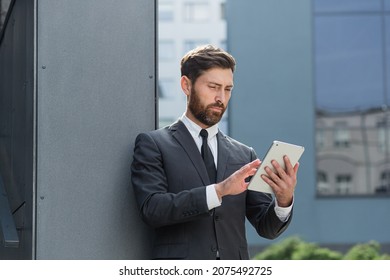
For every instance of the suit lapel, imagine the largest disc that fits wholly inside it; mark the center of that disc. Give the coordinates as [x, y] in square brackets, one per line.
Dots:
[184, 138]
[223, 155]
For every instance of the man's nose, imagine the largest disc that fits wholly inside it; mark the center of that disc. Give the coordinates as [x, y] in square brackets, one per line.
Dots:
[220, 96]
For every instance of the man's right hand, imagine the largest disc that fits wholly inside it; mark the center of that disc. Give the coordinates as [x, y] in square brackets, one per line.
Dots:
[235, 183]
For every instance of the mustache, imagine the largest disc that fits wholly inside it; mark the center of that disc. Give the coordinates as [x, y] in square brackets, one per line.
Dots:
[217, 104]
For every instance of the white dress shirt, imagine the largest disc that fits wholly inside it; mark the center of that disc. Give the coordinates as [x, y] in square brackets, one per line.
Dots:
[211, 195]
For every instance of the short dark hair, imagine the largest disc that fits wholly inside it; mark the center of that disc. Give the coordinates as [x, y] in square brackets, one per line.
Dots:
[197, 61]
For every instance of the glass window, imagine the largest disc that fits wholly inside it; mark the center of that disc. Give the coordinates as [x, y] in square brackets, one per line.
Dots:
[223, 45]
[386, 29]
[165, 122]
[352, 89]
[387, 5]
[320, 135]
[165, 11]
[347, 5]
[348, 62]
[167, 88]
[166, 50]
[4, 6]
[384, 186]
[323, 184]
[383, 134]
[191, 44]
[196, 11]
[341, 135]
[343, 183]
[223, 10]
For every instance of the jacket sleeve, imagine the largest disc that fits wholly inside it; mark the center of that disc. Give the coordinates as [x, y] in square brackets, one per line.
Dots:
[159, 207]
[260, 211]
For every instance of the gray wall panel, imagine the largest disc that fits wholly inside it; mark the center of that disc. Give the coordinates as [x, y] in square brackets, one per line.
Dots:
[95, 92]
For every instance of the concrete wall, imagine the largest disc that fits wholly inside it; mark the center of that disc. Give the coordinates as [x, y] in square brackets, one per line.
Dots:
[94, 91]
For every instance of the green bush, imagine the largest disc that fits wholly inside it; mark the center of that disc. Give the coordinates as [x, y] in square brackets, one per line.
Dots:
[294, 248]
[280, 251]
[367, 251]
[384, 257]
[311, 251]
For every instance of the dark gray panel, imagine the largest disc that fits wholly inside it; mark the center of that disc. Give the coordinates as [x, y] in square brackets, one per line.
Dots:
[96, 92]
[8, 236]
[16, 124]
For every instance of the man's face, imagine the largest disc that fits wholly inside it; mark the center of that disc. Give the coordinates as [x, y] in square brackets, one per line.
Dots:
[209, 96]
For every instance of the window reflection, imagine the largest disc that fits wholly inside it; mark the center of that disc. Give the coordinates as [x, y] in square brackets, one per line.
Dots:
[386, 60]
[347, 5]
[351, 47]
[353, 152]
[387, 5]
[349, 62]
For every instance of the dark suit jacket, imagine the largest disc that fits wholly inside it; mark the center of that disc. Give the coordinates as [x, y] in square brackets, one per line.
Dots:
[169, 180]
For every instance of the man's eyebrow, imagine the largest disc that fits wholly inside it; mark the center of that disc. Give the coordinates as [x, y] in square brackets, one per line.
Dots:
[218, 84]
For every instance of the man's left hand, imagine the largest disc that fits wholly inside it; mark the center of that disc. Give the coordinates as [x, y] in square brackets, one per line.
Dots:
[282, 181]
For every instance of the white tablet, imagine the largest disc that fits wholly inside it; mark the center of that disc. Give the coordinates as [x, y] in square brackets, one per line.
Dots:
[276, 152]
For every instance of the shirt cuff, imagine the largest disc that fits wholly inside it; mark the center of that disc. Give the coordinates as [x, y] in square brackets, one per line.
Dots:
[283, 213]
[212, 197]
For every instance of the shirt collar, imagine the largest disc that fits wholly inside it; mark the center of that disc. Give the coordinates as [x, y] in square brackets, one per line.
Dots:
[195, 129]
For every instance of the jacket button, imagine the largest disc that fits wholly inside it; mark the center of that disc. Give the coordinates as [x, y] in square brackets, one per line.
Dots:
[214, 249]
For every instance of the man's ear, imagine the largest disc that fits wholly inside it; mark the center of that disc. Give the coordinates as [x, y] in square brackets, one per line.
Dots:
[185, 84]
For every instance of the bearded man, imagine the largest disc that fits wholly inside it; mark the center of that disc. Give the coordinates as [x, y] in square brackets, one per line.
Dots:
[190, 179]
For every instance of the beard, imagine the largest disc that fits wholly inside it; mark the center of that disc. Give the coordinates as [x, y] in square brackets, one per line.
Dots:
[204, 113]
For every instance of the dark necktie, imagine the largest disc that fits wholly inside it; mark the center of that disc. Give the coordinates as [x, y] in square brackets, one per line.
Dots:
[208, 157]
